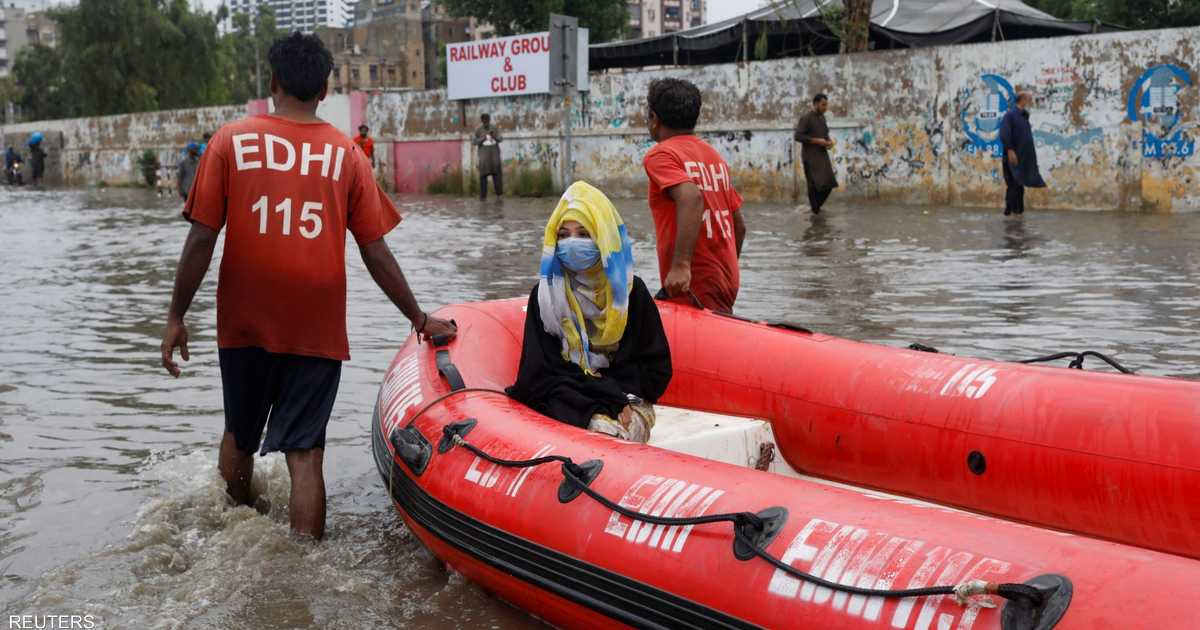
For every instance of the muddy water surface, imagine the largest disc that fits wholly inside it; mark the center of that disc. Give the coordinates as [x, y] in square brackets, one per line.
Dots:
[109, 500]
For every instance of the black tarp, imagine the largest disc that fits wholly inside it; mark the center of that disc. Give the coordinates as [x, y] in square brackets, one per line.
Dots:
[796, 28]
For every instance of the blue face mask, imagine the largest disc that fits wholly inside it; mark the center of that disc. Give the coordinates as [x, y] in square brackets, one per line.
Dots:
[577, 254]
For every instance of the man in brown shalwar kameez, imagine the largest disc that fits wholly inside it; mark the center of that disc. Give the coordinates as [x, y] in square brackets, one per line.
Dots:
[487, 138]
[813, 132]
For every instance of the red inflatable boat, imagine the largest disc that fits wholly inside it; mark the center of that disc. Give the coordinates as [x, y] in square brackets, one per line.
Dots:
[620, 534]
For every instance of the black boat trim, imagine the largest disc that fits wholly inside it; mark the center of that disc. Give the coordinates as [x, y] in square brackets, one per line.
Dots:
[616, 596]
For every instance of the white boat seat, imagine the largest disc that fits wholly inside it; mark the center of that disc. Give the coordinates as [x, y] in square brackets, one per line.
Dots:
[734, 440]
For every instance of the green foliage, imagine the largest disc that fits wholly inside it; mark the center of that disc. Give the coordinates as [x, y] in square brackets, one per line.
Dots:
[761, 46]
[606, 19]
[139, 55]
[450, 183]
[1134, 14]
[248, 35]
[533, 183]
[43, 89]
[148, 164]
[120, 56]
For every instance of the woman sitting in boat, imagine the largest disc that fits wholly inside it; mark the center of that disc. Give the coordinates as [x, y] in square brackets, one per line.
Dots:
[595, 354]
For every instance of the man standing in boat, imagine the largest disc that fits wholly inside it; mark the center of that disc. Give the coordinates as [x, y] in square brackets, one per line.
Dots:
[697, 220]
[287, 187]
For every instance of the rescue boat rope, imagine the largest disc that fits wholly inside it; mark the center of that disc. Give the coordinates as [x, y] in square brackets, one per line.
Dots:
[575, 473]
[962, 592]
[1076, 357]
[1077, 360]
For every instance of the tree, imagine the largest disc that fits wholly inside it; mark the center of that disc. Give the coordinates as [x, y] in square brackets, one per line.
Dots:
[1134, 14]
[857, 29]
[136, 55]
[605, 19]
[248, 34]
[43, 91]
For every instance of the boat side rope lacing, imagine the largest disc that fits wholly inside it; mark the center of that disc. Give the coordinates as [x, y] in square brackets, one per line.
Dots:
[1076, 357]
[962, 592]
[1077, 360]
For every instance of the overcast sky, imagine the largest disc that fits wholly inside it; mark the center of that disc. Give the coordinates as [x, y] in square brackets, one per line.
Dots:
[723, 9]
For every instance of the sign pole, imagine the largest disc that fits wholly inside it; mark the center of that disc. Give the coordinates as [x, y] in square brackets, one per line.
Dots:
[564, 52]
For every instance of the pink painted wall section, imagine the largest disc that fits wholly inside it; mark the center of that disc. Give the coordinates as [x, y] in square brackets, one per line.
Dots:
[358, 110]
[417, 164]
[254, 107]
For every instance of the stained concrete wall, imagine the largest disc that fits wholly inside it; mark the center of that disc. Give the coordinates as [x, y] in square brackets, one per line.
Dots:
[85, 151]
[1115, 120]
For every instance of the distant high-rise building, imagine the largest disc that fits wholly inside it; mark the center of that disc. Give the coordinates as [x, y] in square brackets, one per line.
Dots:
[19, 29]
[301, 15]
[651, 18]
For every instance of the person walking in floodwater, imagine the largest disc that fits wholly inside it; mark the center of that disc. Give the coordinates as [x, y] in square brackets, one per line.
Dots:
[813, 132]
[187, 169]
[698, 225]
[488, 139]
[286, 187]
[1020, 156]
[364, 142]
[37, 159]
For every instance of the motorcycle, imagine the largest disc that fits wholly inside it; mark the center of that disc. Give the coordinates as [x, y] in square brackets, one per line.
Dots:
[14, 175]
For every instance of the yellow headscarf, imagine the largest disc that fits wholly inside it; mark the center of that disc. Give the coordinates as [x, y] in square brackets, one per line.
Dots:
[588, 309]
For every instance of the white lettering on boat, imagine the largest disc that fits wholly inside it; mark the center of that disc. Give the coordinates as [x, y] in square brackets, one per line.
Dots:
[660, 496]
[856, 556]
[487, 475]
[971, 380]
[401, 390]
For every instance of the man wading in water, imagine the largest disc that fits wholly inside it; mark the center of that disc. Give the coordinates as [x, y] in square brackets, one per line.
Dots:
[698, 225]
[286, 187]
[1020, 164]
[813, 132]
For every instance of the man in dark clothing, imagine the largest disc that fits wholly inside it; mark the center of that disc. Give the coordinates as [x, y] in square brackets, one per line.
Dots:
[187, 169]
[37, 159]
[813, 132]
[487, 138]
[1020, 157]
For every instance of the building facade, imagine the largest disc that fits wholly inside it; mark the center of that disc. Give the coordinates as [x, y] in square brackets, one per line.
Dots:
[439, 29]
[384, 52]
[19, 29]
[651, 18]
[301, 15]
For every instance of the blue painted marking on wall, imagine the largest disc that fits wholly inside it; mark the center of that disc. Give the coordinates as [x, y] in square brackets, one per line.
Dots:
[1154, 102]
[983, 129]
[1068, 142]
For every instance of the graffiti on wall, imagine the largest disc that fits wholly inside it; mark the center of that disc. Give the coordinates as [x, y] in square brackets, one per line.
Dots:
[1154, 101]
[981, 113]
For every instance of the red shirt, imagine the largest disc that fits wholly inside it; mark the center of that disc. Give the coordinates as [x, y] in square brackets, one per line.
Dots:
[680, 159]
[367, 145]
[286, 192]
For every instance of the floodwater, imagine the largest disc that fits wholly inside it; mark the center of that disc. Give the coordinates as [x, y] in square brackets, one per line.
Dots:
[109, 500]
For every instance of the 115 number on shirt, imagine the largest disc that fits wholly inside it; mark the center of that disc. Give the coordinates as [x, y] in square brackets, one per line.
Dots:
[309, 224]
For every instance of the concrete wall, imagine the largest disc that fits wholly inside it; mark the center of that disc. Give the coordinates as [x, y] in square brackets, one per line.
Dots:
[913, 126]
[84, 151]
[1115, 119]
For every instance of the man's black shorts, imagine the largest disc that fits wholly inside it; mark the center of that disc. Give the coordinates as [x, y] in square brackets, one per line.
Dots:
[295, 392]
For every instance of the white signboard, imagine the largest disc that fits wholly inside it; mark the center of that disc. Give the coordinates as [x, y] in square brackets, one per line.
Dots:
[505, 66]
